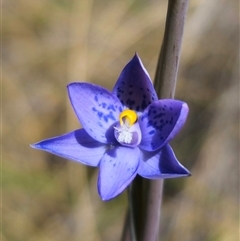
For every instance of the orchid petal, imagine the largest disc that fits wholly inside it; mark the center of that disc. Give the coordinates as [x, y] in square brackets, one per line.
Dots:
[161, 164]
[134, 87]
[96, 108]
[77, 146]
[118, 168]
[160, 122]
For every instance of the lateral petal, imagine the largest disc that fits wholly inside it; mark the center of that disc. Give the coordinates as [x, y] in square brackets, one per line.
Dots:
[160, 122]
[161, 164]
[77, 146]
[96, 108]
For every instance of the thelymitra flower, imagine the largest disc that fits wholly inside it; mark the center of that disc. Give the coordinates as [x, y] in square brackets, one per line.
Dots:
[125, 132]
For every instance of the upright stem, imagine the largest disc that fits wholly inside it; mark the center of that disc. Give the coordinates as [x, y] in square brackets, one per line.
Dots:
[146, 195]
[168, 62]
[151, 219]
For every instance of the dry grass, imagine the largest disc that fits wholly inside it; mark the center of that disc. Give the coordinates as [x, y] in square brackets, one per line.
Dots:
[47, 44]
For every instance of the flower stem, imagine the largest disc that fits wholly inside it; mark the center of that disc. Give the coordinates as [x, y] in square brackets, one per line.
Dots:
[168, 62]
[145, 195]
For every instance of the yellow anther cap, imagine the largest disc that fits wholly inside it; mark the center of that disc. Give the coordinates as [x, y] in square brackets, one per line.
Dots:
[128, 115]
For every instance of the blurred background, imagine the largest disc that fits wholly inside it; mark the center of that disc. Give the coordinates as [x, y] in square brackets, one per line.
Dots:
[50, 43]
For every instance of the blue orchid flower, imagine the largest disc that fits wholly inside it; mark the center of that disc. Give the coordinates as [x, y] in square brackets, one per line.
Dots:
[125, 132]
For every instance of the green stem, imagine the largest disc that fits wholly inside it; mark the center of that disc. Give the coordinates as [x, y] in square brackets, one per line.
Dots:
[168, 62]
[146, 195]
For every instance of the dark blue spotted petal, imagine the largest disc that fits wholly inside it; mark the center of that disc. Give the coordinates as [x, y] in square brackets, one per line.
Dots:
[118, 168]
[77, 146]
[134, 87]
[96, 108]
[160, 122]
[161, 164]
